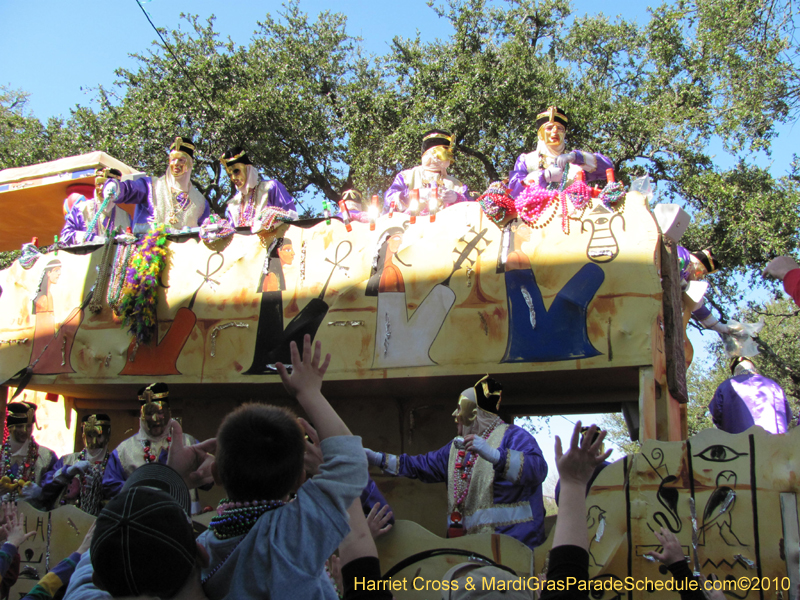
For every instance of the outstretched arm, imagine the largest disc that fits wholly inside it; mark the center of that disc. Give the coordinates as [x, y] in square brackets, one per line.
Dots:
[305, 384]
[575, 468]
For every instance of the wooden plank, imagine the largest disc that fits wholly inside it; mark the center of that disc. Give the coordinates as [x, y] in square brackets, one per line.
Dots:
[673, 321]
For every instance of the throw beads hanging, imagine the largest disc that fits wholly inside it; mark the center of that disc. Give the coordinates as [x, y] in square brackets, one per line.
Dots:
[613, 195]
[140, 293]
[497, 204]
[10, 481]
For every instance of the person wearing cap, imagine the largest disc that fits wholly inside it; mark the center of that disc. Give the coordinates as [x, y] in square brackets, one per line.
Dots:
[748, 399]
[149, 445]
[694, 266]
[263, 543]
[24, 462]
[786, 269]
[77, 478]
[91, 217]
[545, 166]
[143, 543]
[437, 155]
[494, 473]
[170, 200]
[257, 204]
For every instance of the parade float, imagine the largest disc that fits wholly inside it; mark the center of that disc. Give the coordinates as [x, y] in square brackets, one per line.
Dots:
[575, 307]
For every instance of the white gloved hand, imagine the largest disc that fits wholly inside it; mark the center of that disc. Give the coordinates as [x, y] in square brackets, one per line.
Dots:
[31, 492]
[374, 458]
[79, 467]
[553, 175]
[485, 451]
[111, 189]
[721, 328]
[532, 178]
[448, 197]
[735, 327]
[563, 160]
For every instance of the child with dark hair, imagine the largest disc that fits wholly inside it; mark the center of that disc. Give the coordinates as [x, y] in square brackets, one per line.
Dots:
[264, 544]
[260, 430]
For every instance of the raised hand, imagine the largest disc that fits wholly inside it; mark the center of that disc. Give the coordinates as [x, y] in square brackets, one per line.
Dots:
[378, 520]
[672, 550]
[193, 463]
[307, 373]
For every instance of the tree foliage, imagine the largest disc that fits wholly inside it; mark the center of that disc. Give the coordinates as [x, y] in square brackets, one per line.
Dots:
[320, 115]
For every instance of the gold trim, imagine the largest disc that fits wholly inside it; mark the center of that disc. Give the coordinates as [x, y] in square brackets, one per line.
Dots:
[179, 143]
[232, 159]
[106, 173]
[551, 113]
[449, 138]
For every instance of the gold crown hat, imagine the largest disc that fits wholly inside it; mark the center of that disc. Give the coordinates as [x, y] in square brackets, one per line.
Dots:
[436, 137]
[154, 393]
[93, 424]
[108, 173]
[183, 144]
[234, 155]
[489, 393]
[708, 260]
[20, 413]
[552, 114]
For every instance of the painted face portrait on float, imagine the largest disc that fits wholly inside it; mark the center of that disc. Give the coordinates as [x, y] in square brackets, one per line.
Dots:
[155, 411]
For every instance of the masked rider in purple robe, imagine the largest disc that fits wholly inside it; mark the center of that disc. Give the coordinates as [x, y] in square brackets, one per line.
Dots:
[545, 166]
[437, 155]
[494, 473]
[748, 399]
[251, 205]
[171, 200]
[88, 218]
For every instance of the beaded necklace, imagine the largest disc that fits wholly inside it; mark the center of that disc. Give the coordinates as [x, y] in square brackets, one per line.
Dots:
[91, 485]
[27, 470]
[462, 472]
[237, 518]
[149, 458]
[121, 261]
[248, 210]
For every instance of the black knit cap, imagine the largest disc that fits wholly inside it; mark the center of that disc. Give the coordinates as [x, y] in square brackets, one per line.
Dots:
[143, 544]
[156, 392]
[233, 156]
[552, 114]
[183, 144]
[436, 137]
[164, 478]
[21, 413]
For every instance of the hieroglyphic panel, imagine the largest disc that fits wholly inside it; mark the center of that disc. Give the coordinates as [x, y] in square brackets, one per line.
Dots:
[458, 295]
[739, 486]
